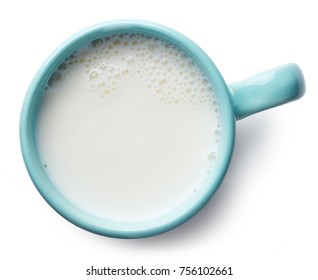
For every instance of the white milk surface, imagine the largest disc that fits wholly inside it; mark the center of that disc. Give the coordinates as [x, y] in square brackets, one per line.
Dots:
[128, 128]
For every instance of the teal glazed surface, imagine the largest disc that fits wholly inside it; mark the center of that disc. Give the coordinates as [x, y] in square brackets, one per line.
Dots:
[267, 90]
[235, 101]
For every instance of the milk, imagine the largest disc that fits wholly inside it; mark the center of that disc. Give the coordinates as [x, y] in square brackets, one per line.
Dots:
[128, 128]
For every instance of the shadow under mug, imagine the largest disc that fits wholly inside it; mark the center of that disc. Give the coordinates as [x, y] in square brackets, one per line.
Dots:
[236, 101]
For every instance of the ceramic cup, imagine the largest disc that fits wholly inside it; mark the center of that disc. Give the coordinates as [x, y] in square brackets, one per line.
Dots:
[235, 101]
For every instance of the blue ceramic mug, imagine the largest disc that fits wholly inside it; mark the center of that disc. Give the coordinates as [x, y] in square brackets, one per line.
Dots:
[236, 101]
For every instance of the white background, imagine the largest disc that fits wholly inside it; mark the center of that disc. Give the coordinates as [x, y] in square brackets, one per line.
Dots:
[262, 221]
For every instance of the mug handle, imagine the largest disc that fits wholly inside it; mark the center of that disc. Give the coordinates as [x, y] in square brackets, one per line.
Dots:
[267, 90]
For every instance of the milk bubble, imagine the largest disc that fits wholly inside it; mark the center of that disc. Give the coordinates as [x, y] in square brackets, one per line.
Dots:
[55, 79]
[97, 43]
[212, 156]
[93, 75]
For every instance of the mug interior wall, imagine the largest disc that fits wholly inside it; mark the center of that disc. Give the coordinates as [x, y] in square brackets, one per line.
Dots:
[33, 161]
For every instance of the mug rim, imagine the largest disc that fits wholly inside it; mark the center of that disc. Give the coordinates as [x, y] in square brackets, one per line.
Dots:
[33, 98]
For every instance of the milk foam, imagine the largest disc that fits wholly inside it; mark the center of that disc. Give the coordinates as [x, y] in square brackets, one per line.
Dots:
[129, 127]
